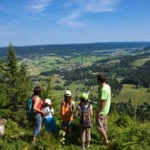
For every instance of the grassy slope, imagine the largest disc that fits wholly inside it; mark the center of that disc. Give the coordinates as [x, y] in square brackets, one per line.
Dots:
[140, 62]
[123, 134]
[138, 96]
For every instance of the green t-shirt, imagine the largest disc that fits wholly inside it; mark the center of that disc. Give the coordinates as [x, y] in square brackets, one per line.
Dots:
[104, 94]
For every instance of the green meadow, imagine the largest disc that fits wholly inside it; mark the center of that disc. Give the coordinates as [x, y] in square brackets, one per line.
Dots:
[129, 91]
[140, 62]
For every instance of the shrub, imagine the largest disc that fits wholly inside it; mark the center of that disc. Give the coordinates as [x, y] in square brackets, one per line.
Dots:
[123, 121]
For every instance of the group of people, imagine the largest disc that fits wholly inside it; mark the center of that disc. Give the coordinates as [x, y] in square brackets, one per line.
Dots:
[84, 111]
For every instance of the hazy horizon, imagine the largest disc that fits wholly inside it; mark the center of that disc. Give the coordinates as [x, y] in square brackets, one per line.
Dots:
[51, 44]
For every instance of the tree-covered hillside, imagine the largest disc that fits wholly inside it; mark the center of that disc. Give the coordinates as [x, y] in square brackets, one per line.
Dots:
[68, 49]
[128, 120]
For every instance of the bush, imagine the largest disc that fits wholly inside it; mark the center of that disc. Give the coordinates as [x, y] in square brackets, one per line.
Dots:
[58, 87]
[123, 121]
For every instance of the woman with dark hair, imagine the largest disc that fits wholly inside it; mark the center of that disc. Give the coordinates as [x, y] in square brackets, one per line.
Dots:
[37, 108]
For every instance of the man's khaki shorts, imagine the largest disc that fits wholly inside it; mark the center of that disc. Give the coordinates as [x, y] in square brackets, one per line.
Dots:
[101, 123]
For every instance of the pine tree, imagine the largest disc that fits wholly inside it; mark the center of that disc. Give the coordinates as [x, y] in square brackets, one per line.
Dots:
[11, 74]
[3, 85]
[22, 72]
[24, 85]
[46, 89]
[17, 80]
[12, 62]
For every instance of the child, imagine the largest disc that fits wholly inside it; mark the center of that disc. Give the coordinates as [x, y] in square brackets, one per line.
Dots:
[50, 123]
[85, 111]
[66, 112]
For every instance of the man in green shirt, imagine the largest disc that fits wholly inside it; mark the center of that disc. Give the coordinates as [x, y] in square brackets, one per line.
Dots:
[104, 101]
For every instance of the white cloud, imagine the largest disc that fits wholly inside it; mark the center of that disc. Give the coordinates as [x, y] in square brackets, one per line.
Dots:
[88, 6]
[71, 20]
[101, 6]
[39, 5]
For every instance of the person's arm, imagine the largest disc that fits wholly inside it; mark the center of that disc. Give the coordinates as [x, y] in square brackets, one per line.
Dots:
[69, 123]
[61, 110]
[73, 105]
[91, 110]
[103, 103]
[77, 113]
[37, 100]
[52, 111]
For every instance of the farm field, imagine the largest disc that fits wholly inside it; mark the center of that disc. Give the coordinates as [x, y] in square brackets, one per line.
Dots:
[138, 96]
[140, 62]
[48, 63]
[129, 91]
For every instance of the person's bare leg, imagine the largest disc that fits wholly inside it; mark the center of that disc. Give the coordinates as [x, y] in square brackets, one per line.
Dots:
[104, 135]
[105, 130]
[34, 140]
[83, 145]
[88, 144]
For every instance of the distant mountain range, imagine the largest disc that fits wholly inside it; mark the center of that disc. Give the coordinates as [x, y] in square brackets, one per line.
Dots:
[67, 49]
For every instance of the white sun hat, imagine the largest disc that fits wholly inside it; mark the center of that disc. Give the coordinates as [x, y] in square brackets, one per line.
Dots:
[68, 93]
[48, 101]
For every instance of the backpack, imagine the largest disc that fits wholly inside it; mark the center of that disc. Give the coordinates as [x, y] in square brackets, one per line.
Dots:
[66, 111]
[86, 116]
[29, 107]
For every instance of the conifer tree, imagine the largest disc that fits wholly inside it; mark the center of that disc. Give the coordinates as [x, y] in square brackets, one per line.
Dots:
[12, 62]
[12, 73]
[17, 81]
[46, 88]
[24, 83]
[3, 85]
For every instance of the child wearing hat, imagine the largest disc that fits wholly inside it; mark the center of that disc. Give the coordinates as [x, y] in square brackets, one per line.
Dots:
[50, 123]
[85, 112]
[66, 111]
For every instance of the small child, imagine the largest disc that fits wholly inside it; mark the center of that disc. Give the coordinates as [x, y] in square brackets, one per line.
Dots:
[50, 123]
[85, 111]
[66, 111]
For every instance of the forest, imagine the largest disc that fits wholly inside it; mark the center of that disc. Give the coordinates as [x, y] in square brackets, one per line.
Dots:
[128, 126]
[68, 49]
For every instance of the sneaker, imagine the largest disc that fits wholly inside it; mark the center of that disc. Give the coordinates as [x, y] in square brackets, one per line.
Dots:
[88, 145]
[82, 147]
[106, 143]
[34, 143]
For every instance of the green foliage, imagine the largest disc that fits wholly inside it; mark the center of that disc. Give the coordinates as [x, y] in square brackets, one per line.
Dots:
[123, 132]
[58, 87]
[13, 131]
[141, 112]
[15, 85]
[12, 63]
[48, 141]
[46, 89]
[123, 121]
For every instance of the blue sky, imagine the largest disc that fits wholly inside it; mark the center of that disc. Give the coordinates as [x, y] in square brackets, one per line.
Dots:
[31, 22]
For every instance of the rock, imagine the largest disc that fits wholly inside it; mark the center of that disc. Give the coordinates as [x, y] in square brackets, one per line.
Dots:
[2, 126]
